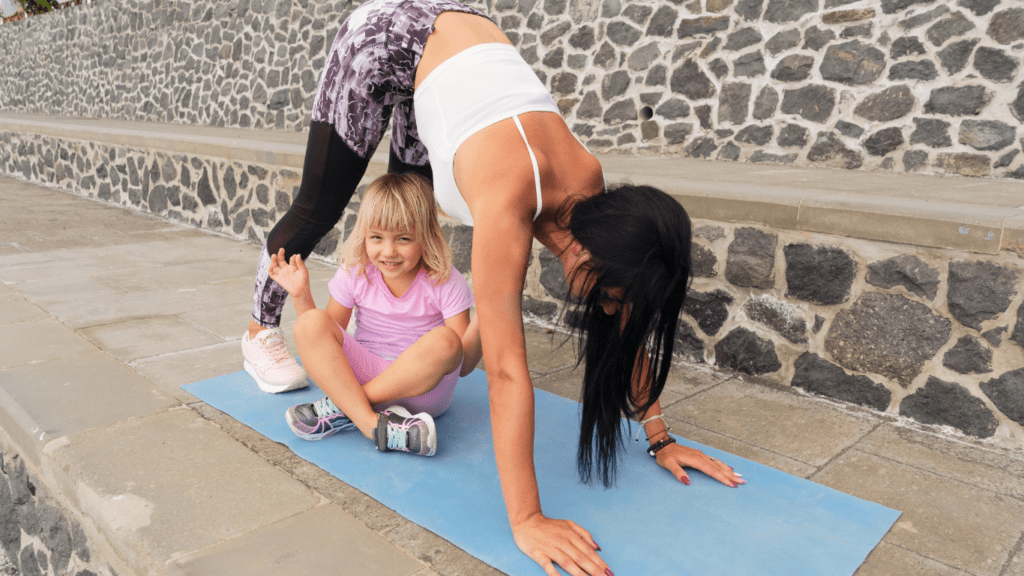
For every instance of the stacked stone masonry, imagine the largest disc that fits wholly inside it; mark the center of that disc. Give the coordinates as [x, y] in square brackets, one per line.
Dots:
[927, 86]
[38, 537]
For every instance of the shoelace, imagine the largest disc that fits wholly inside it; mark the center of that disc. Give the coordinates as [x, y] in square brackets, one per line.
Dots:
[277, 349]
[325, 406]
[398, 438]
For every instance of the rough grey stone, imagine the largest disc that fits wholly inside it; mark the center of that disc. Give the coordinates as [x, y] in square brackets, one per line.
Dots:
[564, 83]
[678, 133]
[753, 134]
[554, 58]
[691, 82]
[709, 233]
[1007, 393]
[702, 261]
[815, 38]
[709, 309]
[813, 102]
[968, 356]
[1007, 26]
[849, 129]
[995, 335]
[28, 562]
[547, 37]
[782, 11]
[768, 100]
[718, 67]
[822, 275]
[461, 242]
[729, 152]
[818, 323]
[860, 31]
[10, 530]
[673, 108]
[979, 7]
[690, 27]
[158, 199]
[749, 10]
[1018, 329]
[949, 404]
[906, 46]
[744, 351]
[793, 68]
[956, 24]
[590, 107]
[582, 38]
[552, 275]
[262, 217]
[819, 376]
[663, 22]
[884, 141]
[986, 134]
[890, 104]
[886, 334]
[657, 76]
[701, 147]
[733, 103]
[688, 345]
[852, 63]
[1006, 159]
[762, 157]
[964, 164]
[751, 259]
[328, 244]
[908, 271]
[539, 308]
[1017, 174]
[830, 151]
[792, 136]
[614, 85]
[642, 58]
[995, 65]
[958, 100]
[622, 111]
[893, 6]
[622, 33]
[979, 291]
[555, 7]
[954, 57]
[779, 316]
[743, 38]
[783, 41]
[637, 13]
[932, 132]
[915, 70]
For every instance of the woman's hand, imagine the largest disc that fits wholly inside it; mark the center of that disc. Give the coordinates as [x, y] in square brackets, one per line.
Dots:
[675, 457]
[548, 541]
[291, 275]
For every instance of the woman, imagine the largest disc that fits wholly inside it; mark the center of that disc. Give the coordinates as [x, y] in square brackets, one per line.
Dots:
[503, 160]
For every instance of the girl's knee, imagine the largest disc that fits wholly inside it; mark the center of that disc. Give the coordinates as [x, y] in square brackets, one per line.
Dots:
[446, 342]
[312, 324]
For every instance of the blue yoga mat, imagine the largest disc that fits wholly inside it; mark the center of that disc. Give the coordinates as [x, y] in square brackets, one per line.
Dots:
[647, 524]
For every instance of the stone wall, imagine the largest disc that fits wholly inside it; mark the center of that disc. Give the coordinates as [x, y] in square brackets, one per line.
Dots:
[934, 335]
[37, 537]
[930, 86]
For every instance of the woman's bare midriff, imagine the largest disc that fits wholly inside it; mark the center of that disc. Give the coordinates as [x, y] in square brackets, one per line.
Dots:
[497, 154]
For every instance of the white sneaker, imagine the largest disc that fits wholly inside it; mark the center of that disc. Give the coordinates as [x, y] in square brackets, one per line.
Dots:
[267, 360]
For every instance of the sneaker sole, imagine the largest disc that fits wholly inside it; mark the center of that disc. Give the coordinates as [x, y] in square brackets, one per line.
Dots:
[306, 435]
[432, 439]
[274, 388]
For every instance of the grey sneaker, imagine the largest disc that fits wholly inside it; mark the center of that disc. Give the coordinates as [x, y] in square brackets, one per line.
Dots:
[397, 429]
[317, 420]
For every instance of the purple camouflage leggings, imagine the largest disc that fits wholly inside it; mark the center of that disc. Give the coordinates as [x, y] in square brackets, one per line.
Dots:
[368, 80]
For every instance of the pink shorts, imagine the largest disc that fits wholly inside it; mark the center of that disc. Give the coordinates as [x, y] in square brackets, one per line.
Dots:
[366, 365]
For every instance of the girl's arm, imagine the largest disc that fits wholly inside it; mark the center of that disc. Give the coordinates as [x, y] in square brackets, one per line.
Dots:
[340, 314]
[501, 247]
[294, 278]
[469, 331]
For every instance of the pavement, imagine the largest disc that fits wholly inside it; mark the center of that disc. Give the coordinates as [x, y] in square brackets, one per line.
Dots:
[105, 313]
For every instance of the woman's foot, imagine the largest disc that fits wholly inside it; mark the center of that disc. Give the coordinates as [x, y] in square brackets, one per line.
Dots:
[317, 420]
[267, 360]
[397, 429]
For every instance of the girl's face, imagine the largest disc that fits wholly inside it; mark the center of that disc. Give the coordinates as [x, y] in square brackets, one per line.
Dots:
[395, 253]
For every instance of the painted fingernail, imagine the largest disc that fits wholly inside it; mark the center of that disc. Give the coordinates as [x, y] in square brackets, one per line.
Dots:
[686, 481]
[596, 547]
[608, 571]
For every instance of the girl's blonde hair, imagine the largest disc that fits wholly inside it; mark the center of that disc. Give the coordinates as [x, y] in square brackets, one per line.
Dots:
[396, 202]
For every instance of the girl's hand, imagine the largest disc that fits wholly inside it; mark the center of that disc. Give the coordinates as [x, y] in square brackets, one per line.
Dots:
[292, 276]
[675, 457]
[548, 542]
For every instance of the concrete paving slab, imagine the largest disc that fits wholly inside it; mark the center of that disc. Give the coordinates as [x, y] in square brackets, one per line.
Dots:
[1015, 566]
[147, 337]
[957, 524]
[979, 466]
[171, 371]
[547, 353]
[14, 310]
[81, 392]
[7, 248]
[229, 320]
[95, 265]
[740, 448]
[157, 498]
[778, 421]
[39, 341]
[686, 380]
[181, 276]
[442, 556]
[332, 542]
[891, 560]
[85, 313]
[52, 290]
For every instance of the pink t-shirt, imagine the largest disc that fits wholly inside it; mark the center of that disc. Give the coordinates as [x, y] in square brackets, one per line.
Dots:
[387, 325]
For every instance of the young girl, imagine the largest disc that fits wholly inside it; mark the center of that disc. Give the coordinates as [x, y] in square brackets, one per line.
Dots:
[413, 333]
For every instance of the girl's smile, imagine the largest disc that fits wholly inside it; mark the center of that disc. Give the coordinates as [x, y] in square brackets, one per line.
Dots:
[396, 254]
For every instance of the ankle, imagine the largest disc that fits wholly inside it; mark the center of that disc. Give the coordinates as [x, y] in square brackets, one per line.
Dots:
[254, 329]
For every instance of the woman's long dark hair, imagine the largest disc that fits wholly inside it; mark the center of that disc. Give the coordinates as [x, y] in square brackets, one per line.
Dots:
[639, 240]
